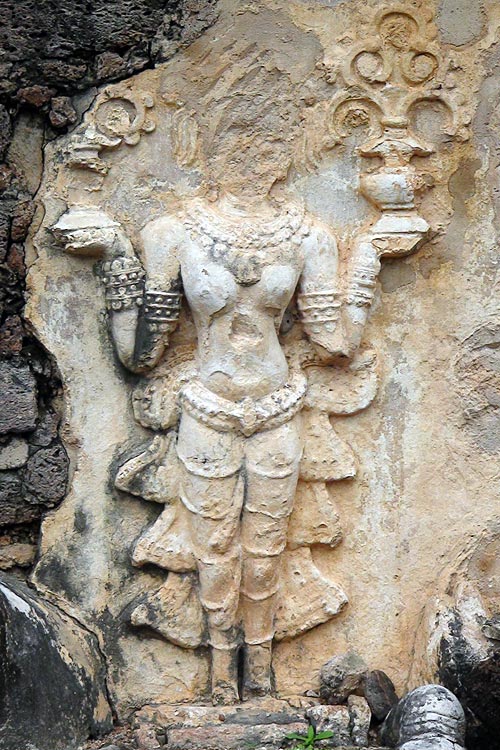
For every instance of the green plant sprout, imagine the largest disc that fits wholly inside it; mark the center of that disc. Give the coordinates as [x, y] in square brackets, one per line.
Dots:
[309, 740]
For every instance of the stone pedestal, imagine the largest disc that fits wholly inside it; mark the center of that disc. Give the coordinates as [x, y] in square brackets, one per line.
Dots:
[262, 724]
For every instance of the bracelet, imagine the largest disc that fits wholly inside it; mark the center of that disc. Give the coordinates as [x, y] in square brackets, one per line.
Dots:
[362, 287]
[124, 282]
[161, 309]
[319, 307]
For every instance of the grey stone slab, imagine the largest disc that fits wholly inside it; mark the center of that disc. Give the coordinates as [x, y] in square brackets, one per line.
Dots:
[18, 394]
[232, 737]
[54, 673]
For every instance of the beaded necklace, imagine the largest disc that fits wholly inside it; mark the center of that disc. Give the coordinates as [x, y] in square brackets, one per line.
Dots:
[245, 245]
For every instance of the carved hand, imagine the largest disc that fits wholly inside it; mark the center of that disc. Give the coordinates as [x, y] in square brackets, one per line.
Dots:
[86, 231]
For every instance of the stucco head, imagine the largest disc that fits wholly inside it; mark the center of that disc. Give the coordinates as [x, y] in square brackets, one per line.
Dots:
[242, 135]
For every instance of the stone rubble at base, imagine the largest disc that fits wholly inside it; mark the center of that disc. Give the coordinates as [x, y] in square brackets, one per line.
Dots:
[260, 723]
[427, 718]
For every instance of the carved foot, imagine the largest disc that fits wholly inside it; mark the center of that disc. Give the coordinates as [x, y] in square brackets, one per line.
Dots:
[257, 675]
[224, 677]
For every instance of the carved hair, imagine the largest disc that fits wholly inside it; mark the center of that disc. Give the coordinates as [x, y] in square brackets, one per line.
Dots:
[255, 104]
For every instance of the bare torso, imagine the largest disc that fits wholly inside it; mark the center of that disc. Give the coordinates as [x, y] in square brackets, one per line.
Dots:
[239, 272]
[239, 353]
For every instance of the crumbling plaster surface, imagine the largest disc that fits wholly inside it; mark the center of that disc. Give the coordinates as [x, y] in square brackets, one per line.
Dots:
[50, 51]
[427, 478]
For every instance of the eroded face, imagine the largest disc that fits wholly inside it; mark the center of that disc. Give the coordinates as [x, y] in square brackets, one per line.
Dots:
[247, 159]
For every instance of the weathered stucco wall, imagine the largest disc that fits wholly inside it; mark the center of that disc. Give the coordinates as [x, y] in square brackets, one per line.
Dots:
[424, 500]
[49, 52]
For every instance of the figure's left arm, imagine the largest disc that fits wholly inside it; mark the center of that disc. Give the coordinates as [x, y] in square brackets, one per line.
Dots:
[319, 299]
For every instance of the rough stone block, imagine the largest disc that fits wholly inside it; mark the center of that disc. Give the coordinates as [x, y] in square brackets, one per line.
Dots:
[231, 737]
[380, 693]
[12, 555]
[335, 719]
[46, 429]
[11, 336]
[5, 130]
[14, 454]
[145, 739]
[18, 406]
[266, 710]
[21, 220]
[341, 676]
[13, 506]
[360, 718]
[46, 475]
[62, 112]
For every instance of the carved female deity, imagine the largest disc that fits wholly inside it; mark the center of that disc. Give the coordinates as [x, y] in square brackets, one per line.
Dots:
[233, 419]
[243, 441]
[238, 262]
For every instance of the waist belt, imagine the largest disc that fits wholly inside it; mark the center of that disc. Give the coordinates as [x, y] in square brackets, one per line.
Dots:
[249, 415]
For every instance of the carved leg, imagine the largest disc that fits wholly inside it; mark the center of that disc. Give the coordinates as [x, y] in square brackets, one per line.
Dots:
[219, 595]
[258, 605]
[272, 472]
[225, 676]
[260, 584]
[257, 671]
[215, 507]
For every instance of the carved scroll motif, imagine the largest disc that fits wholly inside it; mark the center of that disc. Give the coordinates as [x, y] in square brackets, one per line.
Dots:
[388, 77]
[119, 115]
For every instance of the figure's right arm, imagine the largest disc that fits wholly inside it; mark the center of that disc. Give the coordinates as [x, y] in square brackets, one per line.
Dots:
[143, 301]
[157, 317]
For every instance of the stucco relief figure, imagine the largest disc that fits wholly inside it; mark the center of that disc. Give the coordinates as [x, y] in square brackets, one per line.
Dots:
[244, 446]
[239, 421]
[228, 470]
[241, 320]
[239, 439]
[238, 262]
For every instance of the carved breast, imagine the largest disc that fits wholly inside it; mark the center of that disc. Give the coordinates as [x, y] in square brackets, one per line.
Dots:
[277, 285]
[211, 287]
[208, 286]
